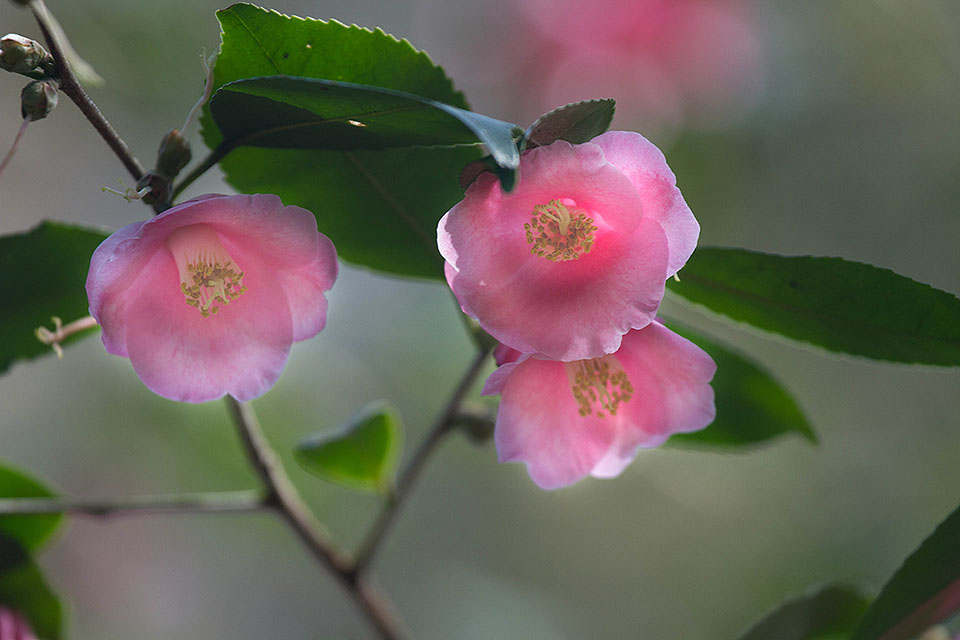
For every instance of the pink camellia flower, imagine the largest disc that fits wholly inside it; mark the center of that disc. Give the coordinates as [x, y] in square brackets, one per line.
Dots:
[577, 254]
[569, 419]
[207, 297]
[13, 626]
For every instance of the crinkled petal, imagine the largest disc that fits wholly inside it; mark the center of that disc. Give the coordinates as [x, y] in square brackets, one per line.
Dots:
[183, 356]
[670, 376]
[538, 423]
[647, 169]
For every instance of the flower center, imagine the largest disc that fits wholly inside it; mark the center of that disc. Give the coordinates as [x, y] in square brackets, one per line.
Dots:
[209, 278]
[559, 234]
[599, 385]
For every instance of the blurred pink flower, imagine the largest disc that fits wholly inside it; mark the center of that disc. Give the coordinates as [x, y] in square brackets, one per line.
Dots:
[566, 420]
[13, 626]
[577, 254]
[207, 297]
[665, 61]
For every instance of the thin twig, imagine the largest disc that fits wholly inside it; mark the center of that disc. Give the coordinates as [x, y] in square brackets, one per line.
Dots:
[212, 502]
[13, 148]
[72, 88]
[284, 497]
[443, 425]
[198, 170]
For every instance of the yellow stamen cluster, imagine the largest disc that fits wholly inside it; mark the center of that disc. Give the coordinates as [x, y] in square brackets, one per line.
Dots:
[557, 234]
[212, 284]
[600, 383]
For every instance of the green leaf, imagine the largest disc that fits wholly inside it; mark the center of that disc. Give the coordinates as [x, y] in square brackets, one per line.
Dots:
[752, 407]
[42, 274]
[832, 303]
[380, 208]
[306, 113]
[363, 454]
[577, 122]
[31, 531]
[924, 591]
[828, 613]
[23, 589]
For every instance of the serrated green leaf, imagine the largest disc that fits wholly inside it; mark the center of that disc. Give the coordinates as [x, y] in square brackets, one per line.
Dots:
[287, 112]
[380, 208]
[362, 454]
[752, 407]
[42, 274]
[31, 531]
[23, 589]
[577, 122]
[828, 613]
[924, 591]
[832, 303]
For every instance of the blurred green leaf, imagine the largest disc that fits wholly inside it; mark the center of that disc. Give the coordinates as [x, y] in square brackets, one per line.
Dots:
[31, 531]
[752, 407]
[832, 303]
[23, 589]
[577, 122]
[286, 112]
[924, 591]
[380, 208]
[363, 454]
[42, 274]
[828, 613]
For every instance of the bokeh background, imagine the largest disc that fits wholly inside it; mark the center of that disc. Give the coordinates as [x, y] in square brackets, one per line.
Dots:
[826, 127]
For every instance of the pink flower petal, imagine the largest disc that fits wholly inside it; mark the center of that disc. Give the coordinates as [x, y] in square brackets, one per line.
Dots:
[565, 309]
[640, 161]
[664, 389]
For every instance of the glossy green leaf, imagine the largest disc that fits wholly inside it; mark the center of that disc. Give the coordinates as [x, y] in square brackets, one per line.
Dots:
[23, 589]
[287, 112]
[577, 122]
[924, 591]
[752, 407]
[829, 613]
[362, 454]
[380, 208]
[832, 303]
[42, 274]
[31, 531]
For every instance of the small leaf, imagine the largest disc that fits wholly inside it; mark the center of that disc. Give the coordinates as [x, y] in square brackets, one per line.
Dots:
[577, 122]
[31, 531]
[23, 589]
[380, 208]
[42, 274]
[363, 454]
[923, 592]
[828, 613]
[286, 112]
[752, 407]
[832, 303]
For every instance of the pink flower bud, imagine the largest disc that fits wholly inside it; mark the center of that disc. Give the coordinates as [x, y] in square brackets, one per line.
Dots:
[206, 298]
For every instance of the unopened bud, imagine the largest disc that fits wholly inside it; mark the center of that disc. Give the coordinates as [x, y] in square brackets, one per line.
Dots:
[157, 186]
[174, 154]
[38, 99]
[25, 56]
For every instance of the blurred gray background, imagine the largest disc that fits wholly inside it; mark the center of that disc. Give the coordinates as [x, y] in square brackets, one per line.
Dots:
[850, 147]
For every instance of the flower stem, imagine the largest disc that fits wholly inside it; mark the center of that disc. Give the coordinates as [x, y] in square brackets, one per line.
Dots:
[72, 88]
[283, 496]
[441, 427]
[213, 502]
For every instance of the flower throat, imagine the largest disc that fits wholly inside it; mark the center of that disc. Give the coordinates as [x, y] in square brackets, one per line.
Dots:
[209, 278]
[599, 385]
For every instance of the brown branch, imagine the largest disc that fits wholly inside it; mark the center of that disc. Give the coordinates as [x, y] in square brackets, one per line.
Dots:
[283, 496]
[441, 427]
[214, 502]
